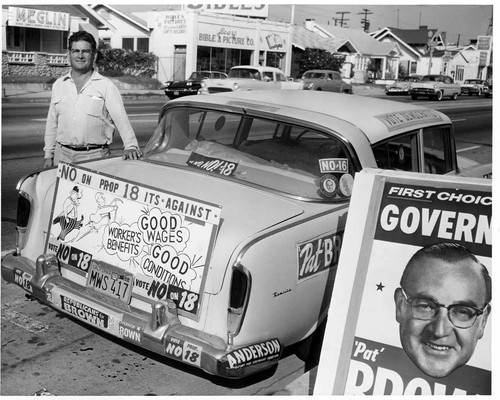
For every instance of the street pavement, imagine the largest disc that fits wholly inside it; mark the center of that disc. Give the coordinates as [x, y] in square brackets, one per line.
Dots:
[19, 93]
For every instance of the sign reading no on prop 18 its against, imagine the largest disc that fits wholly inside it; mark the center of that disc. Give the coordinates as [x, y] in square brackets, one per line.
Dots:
[164, 239]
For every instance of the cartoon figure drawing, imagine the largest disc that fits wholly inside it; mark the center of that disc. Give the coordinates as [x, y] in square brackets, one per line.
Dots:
[68, 219]
[103, 216]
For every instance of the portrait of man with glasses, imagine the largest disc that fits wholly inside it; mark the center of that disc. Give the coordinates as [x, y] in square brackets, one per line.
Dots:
[442, 307]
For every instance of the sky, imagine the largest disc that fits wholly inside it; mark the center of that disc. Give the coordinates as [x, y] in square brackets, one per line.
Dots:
[466, 20]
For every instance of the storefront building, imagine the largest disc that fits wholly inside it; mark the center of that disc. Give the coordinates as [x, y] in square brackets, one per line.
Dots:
[193, 38]
[35, 38]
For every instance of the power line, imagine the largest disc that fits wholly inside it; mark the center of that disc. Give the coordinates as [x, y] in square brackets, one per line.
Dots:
[365, 23]
[342, 19]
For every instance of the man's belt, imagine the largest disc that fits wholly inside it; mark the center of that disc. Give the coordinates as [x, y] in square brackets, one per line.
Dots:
[86, 147]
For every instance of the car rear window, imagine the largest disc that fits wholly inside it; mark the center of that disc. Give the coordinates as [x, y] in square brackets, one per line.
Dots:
[287, 157]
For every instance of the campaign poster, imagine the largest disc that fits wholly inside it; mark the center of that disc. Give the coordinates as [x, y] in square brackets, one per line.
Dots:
[150, 244]
[423, 327]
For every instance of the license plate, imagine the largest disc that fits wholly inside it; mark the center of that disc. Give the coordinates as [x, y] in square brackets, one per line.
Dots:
[176, 93]
[113, 282]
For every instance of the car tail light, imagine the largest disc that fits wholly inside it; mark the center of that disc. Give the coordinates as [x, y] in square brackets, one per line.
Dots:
[239, 295]
[22, 220]
[23, 211]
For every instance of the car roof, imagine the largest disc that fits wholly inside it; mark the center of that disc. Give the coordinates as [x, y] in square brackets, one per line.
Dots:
[320, 70]
[258, 67]
[352, 115]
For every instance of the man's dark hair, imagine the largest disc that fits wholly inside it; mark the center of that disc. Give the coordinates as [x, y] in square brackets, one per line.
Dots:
[82, 35]
[451, 253]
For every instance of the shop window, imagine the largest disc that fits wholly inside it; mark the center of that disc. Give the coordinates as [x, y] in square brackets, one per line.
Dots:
[219, 59]
[143, 45]
[14, 38]
[274, 59]
[128, 43]
[33, 40]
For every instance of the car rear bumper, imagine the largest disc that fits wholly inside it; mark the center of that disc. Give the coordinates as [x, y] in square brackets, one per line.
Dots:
[180, 92]
[396, 90]
[470, 91]
[160, 331]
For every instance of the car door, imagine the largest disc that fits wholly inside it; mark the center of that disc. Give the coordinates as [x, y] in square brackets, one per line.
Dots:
[334, 82]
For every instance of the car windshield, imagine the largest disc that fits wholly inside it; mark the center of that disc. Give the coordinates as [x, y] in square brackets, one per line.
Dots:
[292, 159]
[409, 79]
[314, 75]
[244, 73]
[432, 78]
[200, 75]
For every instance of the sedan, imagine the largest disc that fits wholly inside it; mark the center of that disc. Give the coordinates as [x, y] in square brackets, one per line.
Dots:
[325, 80]
[474, 86]
[190, 86]
[219, 248]
[401, 85]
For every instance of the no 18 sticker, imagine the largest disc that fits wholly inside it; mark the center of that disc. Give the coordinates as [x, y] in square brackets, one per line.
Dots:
[184, 351]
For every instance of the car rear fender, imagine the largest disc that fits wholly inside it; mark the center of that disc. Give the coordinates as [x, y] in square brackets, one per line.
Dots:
[292, 268]
[38, 189]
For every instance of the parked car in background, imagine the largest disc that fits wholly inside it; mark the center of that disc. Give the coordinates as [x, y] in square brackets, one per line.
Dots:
[219, 247]
[325, 80]
[474, 86]
[489, 92]
[435, 87]
[192, 85]
[401, 85]
[247, 77]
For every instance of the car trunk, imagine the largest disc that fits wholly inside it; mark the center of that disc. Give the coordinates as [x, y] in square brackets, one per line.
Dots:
[244, 210]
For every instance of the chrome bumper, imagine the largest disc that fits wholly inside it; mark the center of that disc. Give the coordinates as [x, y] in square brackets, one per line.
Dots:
[160, 331]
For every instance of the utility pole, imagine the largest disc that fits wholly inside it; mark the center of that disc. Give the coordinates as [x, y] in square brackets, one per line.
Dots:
[342, 19]
[364, 22]
[489, 31]
[431, 44]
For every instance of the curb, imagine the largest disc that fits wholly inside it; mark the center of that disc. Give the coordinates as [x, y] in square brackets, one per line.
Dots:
[14, 99]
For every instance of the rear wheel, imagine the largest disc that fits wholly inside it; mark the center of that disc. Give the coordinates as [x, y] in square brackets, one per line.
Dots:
[309, 349]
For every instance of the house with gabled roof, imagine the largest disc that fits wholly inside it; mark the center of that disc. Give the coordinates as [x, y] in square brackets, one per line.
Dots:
[126, 31]
[414, 43]
[384, 56]
[471, 62]
[303, 38]
[425, 51]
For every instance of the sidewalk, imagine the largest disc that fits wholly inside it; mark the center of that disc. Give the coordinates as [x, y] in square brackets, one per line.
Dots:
[39, 93]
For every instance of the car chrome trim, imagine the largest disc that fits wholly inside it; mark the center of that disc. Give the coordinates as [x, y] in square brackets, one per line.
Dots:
[159, 331]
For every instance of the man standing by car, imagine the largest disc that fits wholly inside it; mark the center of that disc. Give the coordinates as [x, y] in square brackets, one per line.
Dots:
[84, 111]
